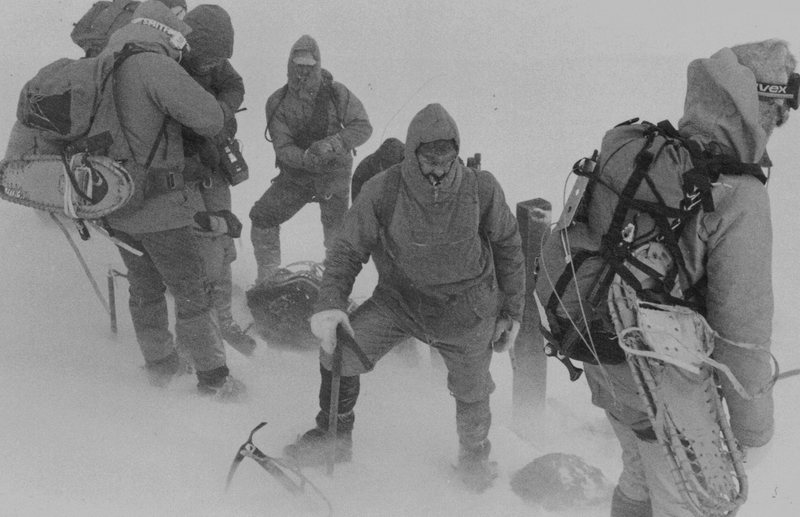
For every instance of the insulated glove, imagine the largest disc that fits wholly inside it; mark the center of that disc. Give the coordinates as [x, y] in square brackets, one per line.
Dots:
[329, 145]
[328, 152]
[229, 126]
[324, 324]
[222, 222]
[505, 334]
[312, 162]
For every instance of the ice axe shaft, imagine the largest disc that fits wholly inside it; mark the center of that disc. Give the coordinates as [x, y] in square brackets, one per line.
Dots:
[333, 408]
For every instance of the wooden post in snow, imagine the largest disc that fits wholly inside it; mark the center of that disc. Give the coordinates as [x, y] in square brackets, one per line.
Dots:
[529, 364]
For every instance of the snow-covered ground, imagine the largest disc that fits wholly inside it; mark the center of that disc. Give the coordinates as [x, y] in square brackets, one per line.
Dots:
[533, 86]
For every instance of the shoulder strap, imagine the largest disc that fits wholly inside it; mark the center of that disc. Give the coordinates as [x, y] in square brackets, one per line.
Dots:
[272, 113]
[131, 49]
[485, 189]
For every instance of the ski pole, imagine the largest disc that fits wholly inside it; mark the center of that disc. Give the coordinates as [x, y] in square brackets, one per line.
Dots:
[333, 408]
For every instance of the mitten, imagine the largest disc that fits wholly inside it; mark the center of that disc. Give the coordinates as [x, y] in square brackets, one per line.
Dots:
[505, 334]
[324, 324]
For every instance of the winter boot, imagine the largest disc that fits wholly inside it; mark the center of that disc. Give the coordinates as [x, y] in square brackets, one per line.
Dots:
[220, 385]
[314, 447]
[474, 468]
[624, 506]
[267, 250]
[237, 338]
[161, 372]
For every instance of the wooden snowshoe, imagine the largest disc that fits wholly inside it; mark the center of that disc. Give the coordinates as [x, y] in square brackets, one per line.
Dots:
[84, 187]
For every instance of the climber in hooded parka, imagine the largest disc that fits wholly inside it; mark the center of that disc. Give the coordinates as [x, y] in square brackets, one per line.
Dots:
[151, 98]
[728, 255]
[450, 273]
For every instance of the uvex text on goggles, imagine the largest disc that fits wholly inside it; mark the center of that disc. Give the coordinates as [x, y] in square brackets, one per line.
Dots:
[788, 91]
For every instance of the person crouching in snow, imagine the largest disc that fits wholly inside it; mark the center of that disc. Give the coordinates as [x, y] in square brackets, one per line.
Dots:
[450, 273]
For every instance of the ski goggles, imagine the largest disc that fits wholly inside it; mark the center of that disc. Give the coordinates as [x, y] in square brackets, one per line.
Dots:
[789, 91]
[176, 38]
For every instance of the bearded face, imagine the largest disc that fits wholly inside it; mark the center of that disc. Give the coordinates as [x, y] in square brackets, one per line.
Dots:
[773, 113]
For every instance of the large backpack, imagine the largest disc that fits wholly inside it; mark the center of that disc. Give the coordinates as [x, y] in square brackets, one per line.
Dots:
[92, 31]
[624, 218]
[63, 97]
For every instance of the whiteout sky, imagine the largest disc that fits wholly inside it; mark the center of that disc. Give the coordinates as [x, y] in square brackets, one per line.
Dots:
[533, 86]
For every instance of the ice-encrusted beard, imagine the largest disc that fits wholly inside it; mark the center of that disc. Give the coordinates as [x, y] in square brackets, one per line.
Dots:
[772, 114]
[305, 85]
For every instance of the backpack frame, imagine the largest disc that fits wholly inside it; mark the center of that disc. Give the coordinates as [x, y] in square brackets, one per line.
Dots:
[619, 244]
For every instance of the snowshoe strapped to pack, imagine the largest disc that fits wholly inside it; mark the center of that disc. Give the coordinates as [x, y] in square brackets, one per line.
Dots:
[628, 207]
[85, 187]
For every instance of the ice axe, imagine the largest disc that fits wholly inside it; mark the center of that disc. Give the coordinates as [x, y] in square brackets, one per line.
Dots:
[288, 476]
[342, 337]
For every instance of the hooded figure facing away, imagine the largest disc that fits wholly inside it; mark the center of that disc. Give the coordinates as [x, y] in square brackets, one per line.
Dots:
[315, 124]
[450, 274]
[152, 98]
[728, 252]
[211, 47]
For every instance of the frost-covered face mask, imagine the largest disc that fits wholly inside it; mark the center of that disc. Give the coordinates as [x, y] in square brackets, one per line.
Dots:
[303, 73]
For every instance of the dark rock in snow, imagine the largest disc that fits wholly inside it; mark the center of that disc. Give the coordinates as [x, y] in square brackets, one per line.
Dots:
[558, 481]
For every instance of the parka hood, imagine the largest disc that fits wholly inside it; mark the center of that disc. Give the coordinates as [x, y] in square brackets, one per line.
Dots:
[432, 123]
[153, 35]
[305, 45]
[212, 32]
[722, 103]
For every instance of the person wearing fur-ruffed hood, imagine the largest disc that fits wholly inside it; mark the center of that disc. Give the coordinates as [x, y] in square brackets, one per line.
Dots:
[315, 124]
[450, 273]
[727, 252]
[151, 97]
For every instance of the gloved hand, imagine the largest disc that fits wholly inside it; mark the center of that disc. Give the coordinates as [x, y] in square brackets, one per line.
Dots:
[222, 222]
[505, 334]
[329, 145]
[229, 127]
[328, 152]
[324, 324]
[321, 147]
[312, 162]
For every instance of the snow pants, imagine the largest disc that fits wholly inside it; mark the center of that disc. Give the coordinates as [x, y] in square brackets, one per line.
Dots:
[646, 471]
[467, 356]
[171, 260]
[284, 198]
[218, 253]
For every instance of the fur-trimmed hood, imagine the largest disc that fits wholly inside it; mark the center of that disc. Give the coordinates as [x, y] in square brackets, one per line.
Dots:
[722, 103]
